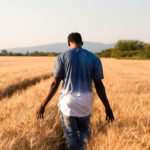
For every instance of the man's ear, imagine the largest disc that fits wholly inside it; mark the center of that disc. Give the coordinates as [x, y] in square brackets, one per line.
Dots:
[82, 44]
[68, 43]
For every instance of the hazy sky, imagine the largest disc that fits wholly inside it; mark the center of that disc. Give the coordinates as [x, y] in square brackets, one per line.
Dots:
[36, 22]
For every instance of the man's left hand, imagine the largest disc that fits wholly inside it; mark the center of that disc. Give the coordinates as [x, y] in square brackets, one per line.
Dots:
[109, 115]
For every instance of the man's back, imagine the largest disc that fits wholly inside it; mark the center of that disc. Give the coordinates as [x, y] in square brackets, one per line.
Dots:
[77, 67]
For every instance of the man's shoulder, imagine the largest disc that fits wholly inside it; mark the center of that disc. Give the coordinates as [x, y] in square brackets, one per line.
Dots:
[89, 53]
[64, 53]
[61, 57]
[67, 53]
[70, 52]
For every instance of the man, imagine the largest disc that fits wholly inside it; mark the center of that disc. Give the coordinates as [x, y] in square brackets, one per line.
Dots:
[77, 68]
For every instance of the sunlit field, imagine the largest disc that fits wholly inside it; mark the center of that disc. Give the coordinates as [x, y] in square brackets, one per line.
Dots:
[16, 69]
[24, 82]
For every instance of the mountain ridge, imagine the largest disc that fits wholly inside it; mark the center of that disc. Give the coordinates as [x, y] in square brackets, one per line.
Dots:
[61, 47]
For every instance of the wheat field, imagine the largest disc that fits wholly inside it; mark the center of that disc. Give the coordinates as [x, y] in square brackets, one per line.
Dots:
[24, 82]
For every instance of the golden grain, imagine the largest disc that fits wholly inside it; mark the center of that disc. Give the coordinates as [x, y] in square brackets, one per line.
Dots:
[127, 84]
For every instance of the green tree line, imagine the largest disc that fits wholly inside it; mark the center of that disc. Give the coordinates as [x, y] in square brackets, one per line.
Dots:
[35, 53]
[127, 49]
[123, 49]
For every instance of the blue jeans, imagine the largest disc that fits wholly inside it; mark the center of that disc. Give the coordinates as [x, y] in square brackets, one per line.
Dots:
[75, 131]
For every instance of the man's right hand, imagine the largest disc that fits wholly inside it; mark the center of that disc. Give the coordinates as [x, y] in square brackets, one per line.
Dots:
[109, 115]
[40, 111]
[51, 91]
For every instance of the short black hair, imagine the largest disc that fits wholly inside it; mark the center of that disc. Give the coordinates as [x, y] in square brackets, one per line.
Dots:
[74, 37]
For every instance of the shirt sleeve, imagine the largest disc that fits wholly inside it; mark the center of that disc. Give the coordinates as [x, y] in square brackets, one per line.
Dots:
[98, 70]
[58, 68]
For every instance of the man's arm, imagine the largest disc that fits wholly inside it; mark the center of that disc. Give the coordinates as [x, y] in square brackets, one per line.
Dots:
[100, 89]
[51, 91]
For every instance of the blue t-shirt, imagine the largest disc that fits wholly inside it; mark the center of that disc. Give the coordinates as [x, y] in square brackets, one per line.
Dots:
[77, 67]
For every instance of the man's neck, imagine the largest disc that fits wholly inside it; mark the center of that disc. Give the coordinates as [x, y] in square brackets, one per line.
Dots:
[71, 47]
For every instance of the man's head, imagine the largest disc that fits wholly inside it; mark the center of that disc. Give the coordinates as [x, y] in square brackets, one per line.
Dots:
[74, 40]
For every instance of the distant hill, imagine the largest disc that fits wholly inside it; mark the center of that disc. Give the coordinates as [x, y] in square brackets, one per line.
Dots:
[61, 47]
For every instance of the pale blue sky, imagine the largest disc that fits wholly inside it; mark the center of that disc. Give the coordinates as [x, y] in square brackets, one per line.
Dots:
[36, 22]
